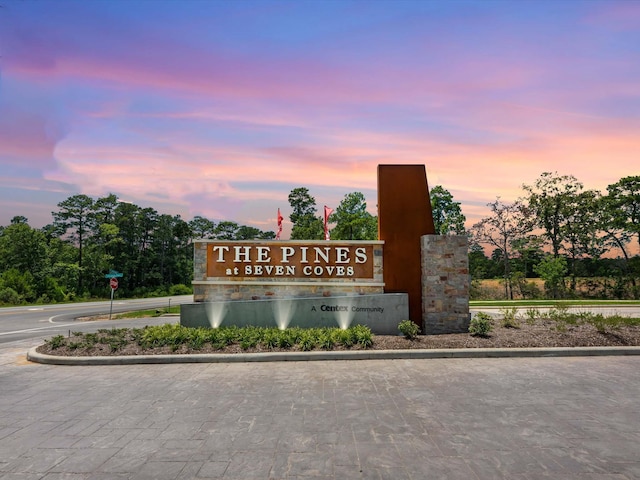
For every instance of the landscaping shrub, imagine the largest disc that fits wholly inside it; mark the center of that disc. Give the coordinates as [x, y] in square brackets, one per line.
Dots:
[346, 338]
[481, 324]
[409, 329]
[307, 341]
[56, 342]
[531, 315]
[363, 335]
[509, 317]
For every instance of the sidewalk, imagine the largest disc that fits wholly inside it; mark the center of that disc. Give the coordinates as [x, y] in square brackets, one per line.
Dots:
[464, 418]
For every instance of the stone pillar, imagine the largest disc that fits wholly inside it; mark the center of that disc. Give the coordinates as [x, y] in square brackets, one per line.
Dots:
[445, 284]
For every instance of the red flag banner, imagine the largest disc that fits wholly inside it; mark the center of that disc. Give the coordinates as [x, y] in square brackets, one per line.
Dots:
[279, 225]
[327, 212]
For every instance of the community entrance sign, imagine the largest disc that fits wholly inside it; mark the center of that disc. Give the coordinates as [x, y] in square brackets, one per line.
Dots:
[408, 273]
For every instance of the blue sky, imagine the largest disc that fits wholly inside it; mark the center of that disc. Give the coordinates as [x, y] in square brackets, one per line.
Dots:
[220, 108]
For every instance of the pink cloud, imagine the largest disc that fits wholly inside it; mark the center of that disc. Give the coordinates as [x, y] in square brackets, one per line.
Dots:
[27, 137]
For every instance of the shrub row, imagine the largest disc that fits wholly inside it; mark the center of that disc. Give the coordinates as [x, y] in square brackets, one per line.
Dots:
[175, 336]
[482, 323]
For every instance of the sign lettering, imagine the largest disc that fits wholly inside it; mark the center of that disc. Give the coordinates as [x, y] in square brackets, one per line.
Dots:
[296, 260]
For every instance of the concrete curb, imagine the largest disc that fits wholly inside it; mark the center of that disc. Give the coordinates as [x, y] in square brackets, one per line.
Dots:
[34, 356]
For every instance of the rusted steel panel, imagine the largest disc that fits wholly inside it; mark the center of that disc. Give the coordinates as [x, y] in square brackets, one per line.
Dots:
[404, 215]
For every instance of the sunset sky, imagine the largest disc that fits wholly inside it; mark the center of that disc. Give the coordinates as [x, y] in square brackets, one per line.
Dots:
[221, 108]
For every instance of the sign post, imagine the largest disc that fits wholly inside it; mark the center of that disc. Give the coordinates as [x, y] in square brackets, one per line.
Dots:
[113, 283]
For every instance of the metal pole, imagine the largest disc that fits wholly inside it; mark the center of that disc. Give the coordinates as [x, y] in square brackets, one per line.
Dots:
[111, 305]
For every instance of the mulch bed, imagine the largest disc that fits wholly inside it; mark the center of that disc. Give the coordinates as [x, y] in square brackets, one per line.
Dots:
[543, 333]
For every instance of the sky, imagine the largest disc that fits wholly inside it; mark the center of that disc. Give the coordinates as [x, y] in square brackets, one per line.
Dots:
[221, 108]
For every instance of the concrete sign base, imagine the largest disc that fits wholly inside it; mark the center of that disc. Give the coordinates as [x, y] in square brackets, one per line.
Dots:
[381, 313]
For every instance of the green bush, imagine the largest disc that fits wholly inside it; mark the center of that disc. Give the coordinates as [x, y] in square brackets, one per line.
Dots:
[480, 325]
[531, 314]
[509, 318]
[363, 336]
[325, 339]
[307, 341]
[346, 338]
[409, 329]
[271, 338]
[180, 289]
[9, 296]
[56, 342]
[197, 338]
[559, 313]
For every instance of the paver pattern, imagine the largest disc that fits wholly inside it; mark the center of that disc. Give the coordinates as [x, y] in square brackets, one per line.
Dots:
[513, 418]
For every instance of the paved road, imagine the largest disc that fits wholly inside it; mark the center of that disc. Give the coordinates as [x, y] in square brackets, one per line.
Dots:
[18, 323]
[469, 419]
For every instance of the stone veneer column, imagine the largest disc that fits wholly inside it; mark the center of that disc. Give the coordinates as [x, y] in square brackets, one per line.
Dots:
[445, 284]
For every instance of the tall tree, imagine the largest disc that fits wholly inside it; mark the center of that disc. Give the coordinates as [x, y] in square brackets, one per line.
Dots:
[183, 262]
[73, 218]
[164, 248]
[551, 200]
[306, 226]
[202, 227]
[23, 248]
[245, 232]
[353, 222]
[447, 215]
[104, 240]
[506, 224]
[267, 235]
[302, 204]
[619, 219]
[624, 196]
[25, 263]
[481, 266]
[135, 226]
[227, 230]
[580, 230]
[104, 209]
[529, 252]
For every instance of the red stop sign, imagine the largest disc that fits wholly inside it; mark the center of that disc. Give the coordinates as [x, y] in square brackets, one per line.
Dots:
[113, 283]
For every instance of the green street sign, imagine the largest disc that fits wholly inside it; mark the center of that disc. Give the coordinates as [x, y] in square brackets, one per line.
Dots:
[113, 274]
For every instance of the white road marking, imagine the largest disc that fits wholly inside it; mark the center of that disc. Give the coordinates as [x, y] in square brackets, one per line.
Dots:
[38, 329]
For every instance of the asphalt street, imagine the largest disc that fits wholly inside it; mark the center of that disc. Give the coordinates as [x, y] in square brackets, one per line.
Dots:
[45, 321]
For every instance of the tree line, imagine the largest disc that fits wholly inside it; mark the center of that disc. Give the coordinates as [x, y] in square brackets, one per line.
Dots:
[563, 233]
[557, 231]
[67, 259]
